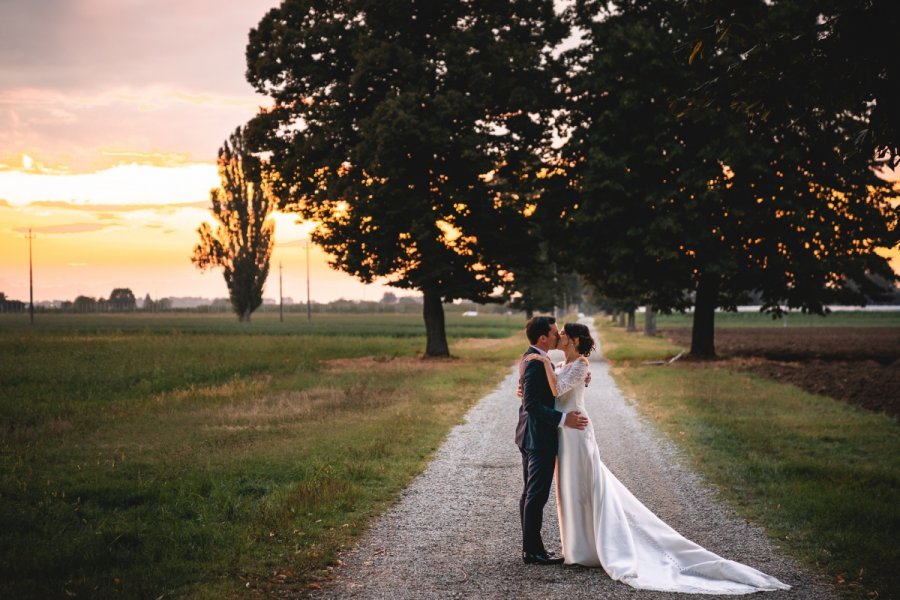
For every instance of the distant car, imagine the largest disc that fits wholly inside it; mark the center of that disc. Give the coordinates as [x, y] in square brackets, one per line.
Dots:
[470, 313]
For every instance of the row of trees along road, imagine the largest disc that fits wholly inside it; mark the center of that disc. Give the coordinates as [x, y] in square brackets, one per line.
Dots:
[694, 166]
[671, 183]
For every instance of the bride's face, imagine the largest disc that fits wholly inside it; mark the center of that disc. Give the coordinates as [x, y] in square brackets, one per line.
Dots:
[564, 341]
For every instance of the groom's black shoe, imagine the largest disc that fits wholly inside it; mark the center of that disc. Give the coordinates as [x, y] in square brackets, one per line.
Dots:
[540, 559]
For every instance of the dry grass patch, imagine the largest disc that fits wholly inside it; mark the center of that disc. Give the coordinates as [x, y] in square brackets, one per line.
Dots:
[283, 406]
[239, 387]
[404, 363]
[483, 343]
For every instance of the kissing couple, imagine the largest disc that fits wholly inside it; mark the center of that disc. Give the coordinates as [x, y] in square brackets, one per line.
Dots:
[601, 524]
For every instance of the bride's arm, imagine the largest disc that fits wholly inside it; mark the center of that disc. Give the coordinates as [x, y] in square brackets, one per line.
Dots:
[548, 366]
[573, 376]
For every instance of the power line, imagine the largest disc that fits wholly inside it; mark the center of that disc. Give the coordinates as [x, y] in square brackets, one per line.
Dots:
[30, 237]
[308, 304]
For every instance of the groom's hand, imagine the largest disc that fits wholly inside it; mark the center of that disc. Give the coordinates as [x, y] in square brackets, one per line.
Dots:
[576, 420]
[587, 379]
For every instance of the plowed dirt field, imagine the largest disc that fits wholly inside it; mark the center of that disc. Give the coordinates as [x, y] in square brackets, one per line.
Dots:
[860, 365]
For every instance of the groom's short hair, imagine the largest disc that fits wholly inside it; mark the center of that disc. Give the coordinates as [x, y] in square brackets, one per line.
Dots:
[538, 326]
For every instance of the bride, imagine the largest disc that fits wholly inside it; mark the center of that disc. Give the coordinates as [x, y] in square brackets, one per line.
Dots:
[602, 524]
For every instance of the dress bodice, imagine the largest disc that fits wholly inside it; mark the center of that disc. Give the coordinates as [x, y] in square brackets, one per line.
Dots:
[570, 386]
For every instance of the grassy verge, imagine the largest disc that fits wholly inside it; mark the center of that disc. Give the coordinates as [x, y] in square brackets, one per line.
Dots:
[821, 476]
[849, 318]
[156, 460]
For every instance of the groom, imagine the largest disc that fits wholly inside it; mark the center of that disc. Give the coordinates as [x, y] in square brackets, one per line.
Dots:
[536, 437]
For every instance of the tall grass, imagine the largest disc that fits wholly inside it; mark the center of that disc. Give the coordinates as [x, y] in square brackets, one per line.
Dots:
[187, 457]
[822, 476]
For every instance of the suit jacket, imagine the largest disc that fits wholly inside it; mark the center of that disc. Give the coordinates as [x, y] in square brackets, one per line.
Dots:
[538, 420]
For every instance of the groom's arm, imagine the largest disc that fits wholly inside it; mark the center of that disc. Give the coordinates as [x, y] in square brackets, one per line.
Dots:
[534, 386]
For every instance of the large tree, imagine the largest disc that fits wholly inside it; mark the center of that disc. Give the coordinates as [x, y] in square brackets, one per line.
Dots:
[789, 56]
[122, 299]
[678, 207]
[396, 126]
[242, 242]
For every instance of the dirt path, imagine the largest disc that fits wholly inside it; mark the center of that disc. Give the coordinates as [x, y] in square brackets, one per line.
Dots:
[455, 531]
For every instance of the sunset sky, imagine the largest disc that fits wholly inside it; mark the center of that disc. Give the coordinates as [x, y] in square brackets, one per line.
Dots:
[111, 113]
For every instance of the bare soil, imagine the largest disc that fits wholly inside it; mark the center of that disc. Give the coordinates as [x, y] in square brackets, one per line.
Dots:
[860, 365]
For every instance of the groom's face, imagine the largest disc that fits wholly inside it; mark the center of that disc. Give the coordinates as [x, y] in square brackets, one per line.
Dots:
[553, 338]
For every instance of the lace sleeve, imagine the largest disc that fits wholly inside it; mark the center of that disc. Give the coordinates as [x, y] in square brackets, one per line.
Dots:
[571, 376]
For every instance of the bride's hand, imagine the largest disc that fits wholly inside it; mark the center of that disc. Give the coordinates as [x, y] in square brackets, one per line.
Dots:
[537, 357]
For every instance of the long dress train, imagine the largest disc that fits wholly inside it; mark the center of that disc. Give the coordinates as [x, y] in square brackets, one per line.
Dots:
[602, 524]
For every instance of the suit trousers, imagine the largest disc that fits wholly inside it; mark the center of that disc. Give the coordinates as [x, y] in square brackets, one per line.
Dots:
[537, 472]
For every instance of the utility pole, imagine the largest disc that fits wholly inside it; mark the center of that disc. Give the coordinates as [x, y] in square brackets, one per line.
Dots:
[308, 305]
[30, 280]
[280, 295]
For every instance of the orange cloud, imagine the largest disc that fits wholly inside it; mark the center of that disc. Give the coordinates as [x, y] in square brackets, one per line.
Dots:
[68, 228]
[104, 209]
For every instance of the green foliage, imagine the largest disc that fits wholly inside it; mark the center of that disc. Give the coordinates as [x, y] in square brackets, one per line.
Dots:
[707, 201]
[186, 456]
[403, 127]
[820, 475]
[242, 243]
[829, 55]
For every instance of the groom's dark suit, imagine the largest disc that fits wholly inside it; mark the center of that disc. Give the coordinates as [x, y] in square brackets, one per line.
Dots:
[536, 436]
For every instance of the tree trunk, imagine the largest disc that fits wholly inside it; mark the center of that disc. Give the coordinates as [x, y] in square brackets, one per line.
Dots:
[631, 324]
[245, 316]
[703, 332]
[649, 321]
[435, 332]
[621, 319]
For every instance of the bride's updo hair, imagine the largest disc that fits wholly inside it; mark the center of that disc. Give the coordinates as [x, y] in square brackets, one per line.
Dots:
[581, 335]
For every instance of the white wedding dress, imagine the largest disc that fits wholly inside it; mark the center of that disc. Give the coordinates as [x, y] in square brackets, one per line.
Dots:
[602, 524]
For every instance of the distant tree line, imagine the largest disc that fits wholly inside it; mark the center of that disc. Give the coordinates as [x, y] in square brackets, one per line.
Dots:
[9, 305]
[120, 300]
[389, 303]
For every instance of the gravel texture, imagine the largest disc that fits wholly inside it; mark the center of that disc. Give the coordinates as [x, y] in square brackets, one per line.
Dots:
[455, 531]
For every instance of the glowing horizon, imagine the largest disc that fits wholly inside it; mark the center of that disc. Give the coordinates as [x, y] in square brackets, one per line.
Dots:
[134, 225]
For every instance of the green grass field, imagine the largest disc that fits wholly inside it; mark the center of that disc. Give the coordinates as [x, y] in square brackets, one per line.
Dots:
[821, 476]
[191, 456]
[852, 318]
[266, 323]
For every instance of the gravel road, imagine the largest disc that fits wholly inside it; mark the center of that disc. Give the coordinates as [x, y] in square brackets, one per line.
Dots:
[455, 531]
